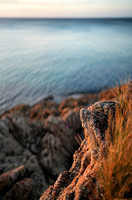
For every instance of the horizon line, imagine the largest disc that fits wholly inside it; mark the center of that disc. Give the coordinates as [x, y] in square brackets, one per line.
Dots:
[116, 17]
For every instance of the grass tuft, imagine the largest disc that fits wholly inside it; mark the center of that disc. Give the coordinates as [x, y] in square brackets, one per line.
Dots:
[115, 165]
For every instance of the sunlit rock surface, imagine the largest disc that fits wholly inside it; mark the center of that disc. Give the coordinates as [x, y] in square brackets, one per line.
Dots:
[80, 181]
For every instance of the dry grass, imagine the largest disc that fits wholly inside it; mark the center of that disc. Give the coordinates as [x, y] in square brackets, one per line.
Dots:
[115, 171]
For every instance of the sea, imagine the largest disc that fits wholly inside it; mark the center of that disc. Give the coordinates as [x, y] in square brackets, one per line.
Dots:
[61, 57]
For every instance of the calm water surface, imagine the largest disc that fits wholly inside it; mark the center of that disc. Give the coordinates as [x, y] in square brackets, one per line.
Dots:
[41, 57]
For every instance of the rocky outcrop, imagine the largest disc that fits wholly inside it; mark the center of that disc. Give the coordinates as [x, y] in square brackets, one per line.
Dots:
[95, 118]
[80, 181]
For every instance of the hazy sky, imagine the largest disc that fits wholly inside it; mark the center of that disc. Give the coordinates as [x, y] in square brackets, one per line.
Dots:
[65, 8]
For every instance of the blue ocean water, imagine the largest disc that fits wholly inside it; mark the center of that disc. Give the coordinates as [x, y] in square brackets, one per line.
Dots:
[41, 57]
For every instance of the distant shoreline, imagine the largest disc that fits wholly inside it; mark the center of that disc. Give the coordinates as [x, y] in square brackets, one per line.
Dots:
[59, 98]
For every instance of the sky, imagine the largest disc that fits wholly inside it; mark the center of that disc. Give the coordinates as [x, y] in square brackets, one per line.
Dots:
[65, 8]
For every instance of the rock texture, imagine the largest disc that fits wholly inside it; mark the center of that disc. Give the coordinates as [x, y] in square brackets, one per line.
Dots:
[95, 118]
[80, 182]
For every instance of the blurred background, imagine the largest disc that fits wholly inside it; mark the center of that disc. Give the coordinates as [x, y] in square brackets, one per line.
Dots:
[62, 47]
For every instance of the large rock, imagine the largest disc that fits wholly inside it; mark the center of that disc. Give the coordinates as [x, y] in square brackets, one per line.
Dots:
[95, 118]
[80, 181]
